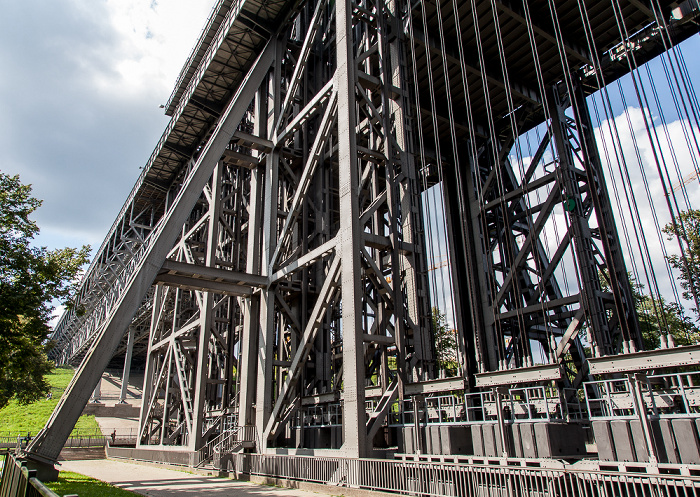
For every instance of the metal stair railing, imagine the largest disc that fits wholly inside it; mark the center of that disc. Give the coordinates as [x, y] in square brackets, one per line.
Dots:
[226, 442]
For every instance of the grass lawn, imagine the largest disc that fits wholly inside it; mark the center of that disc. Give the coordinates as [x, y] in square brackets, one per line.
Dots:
[16, 419]
[84, 486]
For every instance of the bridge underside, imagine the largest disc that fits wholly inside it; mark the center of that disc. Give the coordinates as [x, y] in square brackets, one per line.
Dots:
[274, 268]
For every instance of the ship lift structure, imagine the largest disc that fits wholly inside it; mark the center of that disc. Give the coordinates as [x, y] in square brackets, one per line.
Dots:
[388, 245]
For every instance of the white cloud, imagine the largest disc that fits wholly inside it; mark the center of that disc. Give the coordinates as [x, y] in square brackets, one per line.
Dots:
[155, 39]
[652, 205]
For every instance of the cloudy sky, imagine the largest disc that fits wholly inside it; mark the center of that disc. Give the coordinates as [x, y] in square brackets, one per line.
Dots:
[80, 88]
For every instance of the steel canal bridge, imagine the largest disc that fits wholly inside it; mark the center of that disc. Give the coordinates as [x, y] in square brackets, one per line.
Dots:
[387, 235]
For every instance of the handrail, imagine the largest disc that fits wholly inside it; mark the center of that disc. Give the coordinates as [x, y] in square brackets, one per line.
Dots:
[19, 481]
[225, 442]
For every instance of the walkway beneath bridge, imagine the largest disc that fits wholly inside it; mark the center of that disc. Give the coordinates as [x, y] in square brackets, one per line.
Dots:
[162, 482]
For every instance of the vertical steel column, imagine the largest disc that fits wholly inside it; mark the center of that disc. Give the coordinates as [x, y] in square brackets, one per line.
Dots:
[127, 365]
[266, 335]
[355, 442]
[151, 364]
[591, 297]
[623, 298]
[247, 365]
[206, 312]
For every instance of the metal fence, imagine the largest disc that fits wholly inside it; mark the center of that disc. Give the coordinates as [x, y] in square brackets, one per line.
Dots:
[74, 441]
[448, 479]
[18, 481]
[85, 439]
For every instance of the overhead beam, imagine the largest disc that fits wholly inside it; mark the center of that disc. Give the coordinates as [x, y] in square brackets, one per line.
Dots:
[515, 12]
[647, 360]
[191, 283]
[194, 271]
[534, 374]
[518, 89]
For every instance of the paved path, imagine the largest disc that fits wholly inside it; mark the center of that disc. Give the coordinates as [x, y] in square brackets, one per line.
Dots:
[124, 426]
[160, 482]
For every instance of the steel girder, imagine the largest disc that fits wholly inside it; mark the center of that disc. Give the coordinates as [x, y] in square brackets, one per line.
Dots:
[512, 213]
[190, 387]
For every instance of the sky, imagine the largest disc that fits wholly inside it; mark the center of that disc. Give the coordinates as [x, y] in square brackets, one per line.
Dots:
[81, 84]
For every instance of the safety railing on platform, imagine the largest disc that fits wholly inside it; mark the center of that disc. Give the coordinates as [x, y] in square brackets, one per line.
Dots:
[78, 439]
[450, 479]
[525, 404]
[18, 481]
[668, 395]
[321, 415]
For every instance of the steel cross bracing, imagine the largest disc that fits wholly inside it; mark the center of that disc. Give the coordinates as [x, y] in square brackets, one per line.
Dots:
[280, 219]
[193, 332]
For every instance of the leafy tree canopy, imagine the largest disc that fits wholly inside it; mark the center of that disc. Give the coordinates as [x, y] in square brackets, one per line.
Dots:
[31, 280]
[687, 232]
[445, 340]
[656, 316]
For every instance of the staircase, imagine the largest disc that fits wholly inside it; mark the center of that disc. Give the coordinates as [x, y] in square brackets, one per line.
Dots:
[228, 442]
[379, 414]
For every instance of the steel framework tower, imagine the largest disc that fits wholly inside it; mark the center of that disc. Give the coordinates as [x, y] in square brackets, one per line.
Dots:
[276, 242]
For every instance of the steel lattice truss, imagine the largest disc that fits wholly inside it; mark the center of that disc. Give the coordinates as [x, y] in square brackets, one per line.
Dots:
[273, 252]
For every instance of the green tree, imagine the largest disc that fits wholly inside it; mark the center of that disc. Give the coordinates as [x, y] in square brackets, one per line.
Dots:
[445, 340]
[665, 317]
[688, 234]
[657, 317]
[31, 280]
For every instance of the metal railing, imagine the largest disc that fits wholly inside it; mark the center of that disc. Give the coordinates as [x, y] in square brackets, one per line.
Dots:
[225, 442]
[524, 404]
[229, 441]
[18, 481]
[20, 442]
[122, 436]
[321, 415]
[667, 395]
[450, 479]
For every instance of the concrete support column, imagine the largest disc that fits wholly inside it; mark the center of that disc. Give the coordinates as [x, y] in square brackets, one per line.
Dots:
[127, 365]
